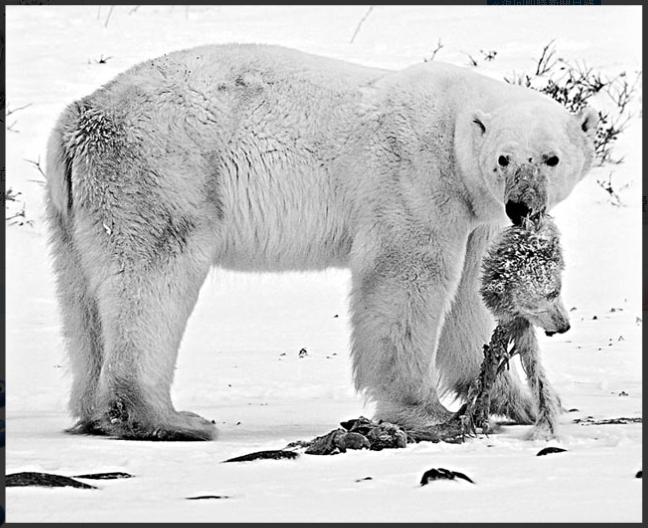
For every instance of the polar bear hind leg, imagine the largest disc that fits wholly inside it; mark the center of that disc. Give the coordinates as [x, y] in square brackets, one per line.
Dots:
[80, 318]
[130, 263]
[143, 316]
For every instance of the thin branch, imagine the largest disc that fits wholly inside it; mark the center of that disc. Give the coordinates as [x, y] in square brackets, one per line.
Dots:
[489, 55]
[15, 218]
[38, 166]
[544, 62]
[434, 52]
[357, 29]
[14, 110]
[621, 96]
[11, 127]
[19, 214]
[11, 195]
[614, 197]
[108, 17]
[473, 62]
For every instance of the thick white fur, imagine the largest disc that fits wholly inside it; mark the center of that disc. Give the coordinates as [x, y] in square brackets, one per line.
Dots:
[262, 158]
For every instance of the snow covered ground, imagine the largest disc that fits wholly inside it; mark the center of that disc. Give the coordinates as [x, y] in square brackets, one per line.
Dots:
[231, 367]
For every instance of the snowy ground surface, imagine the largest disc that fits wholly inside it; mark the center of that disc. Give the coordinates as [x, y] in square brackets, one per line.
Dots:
[231, 368]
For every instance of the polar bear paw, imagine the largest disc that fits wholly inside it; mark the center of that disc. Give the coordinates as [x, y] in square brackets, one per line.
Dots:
[176, 426]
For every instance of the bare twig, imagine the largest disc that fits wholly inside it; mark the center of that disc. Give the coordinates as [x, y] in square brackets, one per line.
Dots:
[19, 214]
[14, 110]
[621, 95]
[103, 60]
[38, 167]
[489, 55]
[108, 17]
[545, 63]
[434, 52]
[519, 79]
[11, 195]
[19, 217]
[357, 29]
[613, 194]
[473, 62]
[11, 127]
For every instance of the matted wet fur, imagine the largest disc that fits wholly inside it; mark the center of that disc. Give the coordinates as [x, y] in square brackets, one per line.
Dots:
[262, 158]
[521, 286]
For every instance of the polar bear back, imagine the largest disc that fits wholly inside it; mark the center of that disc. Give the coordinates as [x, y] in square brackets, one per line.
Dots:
[318, 142]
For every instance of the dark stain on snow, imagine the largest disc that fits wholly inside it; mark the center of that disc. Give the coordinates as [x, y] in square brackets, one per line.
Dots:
[105, 476]
[265, 455]
[443, 474]
[608, 421]
[46, 480]
[550, 450]
[204, 497]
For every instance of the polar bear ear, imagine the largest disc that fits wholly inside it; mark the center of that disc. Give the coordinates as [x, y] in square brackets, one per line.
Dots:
[588, 119]
[480, 120]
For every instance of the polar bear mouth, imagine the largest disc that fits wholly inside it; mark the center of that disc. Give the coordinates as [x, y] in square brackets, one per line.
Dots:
[516, 211]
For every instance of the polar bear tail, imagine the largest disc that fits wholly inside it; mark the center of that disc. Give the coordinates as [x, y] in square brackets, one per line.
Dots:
[60, 157]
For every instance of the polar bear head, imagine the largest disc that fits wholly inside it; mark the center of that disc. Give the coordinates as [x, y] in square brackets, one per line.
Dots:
[532, 154]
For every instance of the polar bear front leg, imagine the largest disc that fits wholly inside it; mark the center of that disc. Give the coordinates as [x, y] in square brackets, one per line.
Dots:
[398, 301]
[466, 328]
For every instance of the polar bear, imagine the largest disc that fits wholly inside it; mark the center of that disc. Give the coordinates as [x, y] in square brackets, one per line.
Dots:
[262, 158]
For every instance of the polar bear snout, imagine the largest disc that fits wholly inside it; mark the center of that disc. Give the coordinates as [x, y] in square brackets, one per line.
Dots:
[526, 192]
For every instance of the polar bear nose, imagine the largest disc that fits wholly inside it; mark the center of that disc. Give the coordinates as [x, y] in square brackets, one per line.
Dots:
[503, 160]
[516, 211]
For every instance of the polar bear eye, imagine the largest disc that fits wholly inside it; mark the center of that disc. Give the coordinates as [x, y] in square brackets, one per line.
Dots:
[552, 161]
